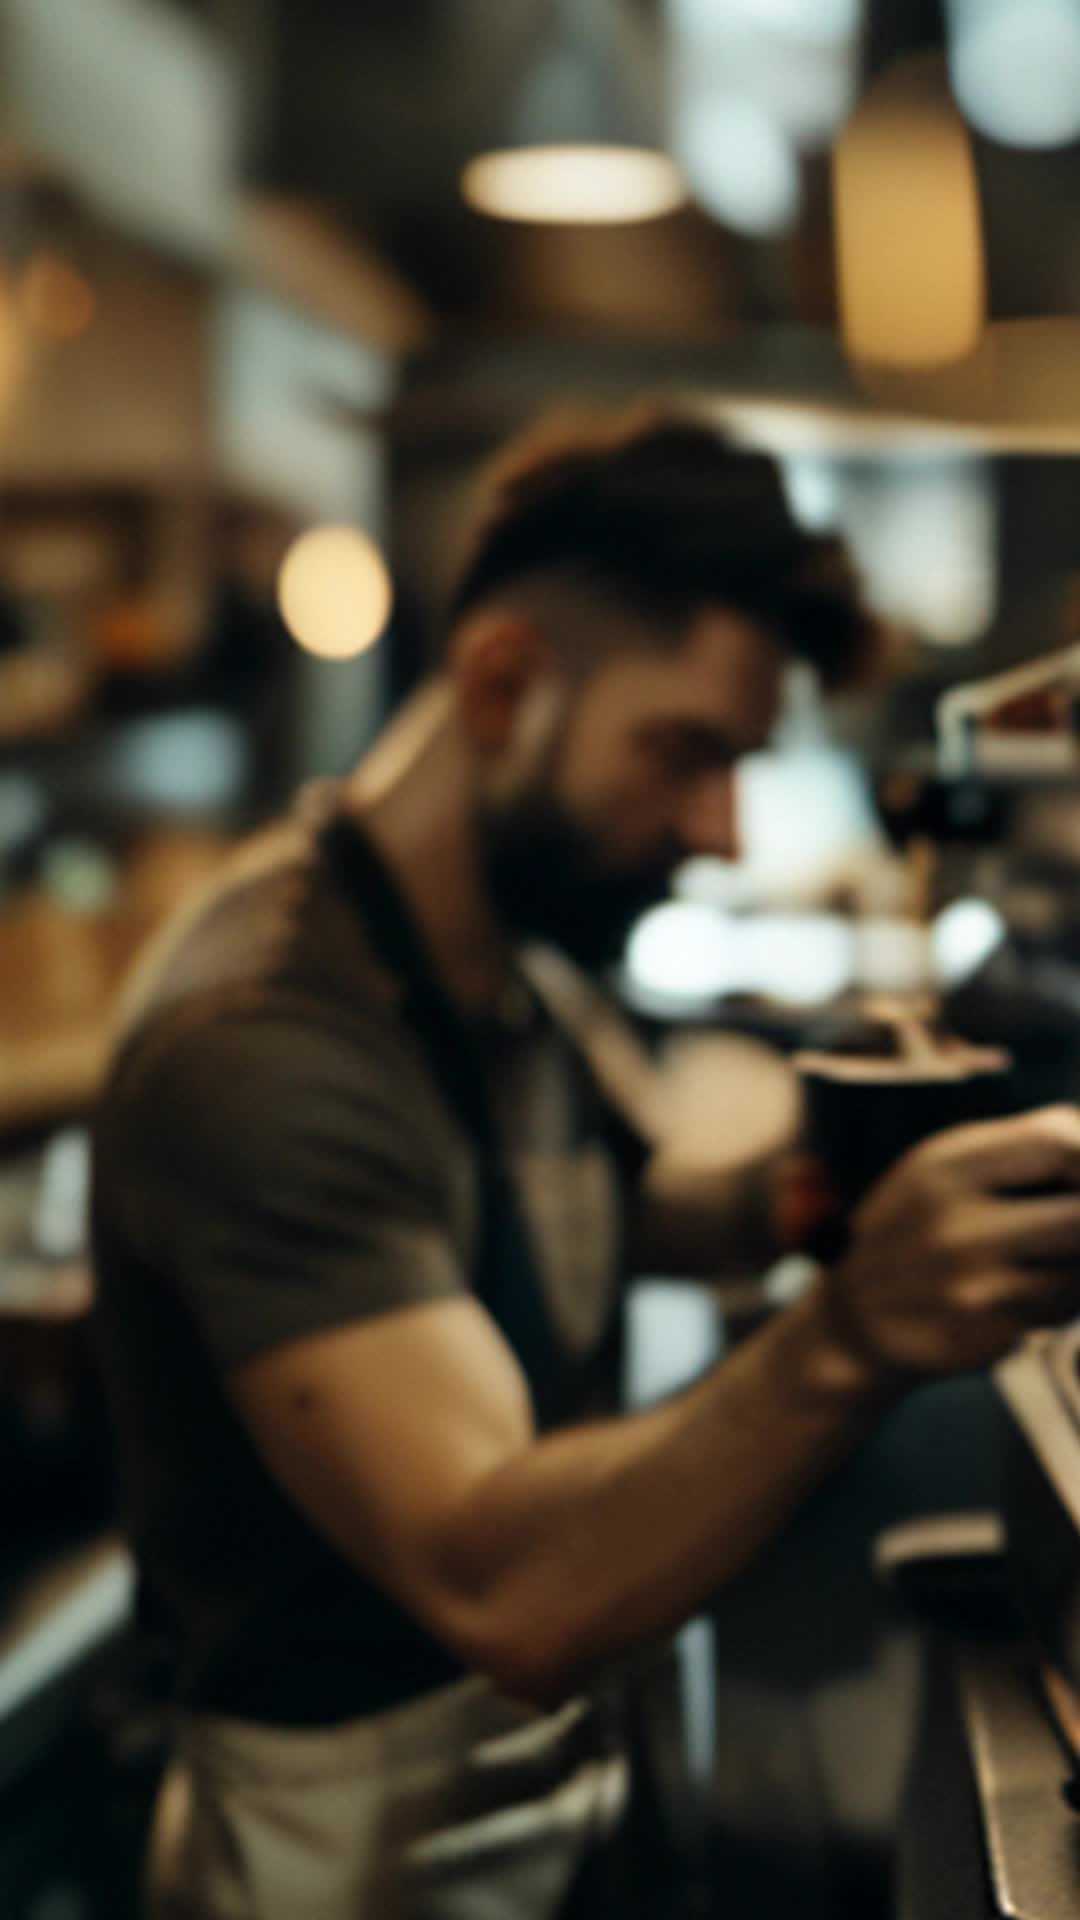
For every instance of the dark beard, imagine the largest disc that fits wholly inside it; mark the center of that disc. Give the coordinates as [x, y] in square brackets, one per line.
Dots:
[548, 881]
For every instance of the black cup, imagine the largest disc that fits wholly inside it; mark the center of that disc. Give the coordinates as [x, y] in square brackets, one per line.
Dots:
[865, 1113]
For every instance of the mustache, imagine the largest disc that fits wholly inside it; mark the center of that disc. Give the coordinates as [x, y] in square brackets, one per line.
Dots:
[550, 880]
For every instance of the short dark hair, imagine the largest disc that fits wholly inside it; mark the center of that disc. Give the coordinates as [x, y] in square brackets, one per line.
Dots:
[662, 514]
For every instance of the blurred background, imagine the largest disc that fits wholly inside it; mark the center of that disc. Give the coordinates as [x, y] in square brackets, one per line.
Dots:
[275, 281]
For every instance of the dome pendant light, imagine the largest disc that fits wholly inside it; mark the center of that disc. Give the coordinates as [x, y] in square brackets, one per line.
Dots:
[570, 158]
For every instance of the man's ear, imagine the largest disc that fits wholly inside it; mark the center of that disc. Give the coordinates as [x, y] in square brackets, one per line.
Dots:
[497, 660]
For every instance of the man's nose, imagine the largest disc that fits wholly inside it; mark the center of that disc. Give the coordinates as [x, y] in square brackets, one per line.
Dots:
[709, 823]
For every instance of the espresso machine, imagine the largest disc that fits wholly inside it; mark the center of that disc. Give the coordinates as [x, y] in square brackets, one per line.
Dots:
[1004, 1587]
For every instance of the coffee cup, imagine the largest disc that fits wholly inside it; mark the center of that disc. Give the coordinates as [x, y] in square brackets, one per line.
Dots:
[864, 1112]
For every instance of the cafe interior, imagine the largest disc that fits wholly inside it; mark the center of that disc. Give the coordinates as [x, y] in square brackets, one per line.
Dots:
[276, 282]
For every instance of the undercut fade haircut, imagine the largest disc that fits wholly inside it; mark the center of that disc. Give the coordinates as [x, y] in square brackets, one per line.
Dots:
[661, 515]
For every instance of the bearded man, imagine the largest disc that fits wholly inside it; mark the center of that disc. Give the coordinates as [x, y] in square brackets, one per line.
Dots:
[362, 1206]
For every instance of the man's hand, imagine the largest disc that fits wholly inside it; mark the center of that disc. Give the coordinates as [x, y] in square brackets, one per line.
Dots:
[408, 1440]
[973, 1238]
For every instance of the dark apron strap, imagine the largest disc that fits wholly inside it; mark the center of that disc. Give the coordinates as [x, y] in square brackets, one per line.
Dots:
[506, 1276]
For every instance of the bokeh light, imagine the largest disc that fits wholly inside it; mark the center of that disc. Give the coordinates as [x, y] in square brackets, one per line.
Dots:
[814, 490]
[909, 243]
[803, 19]
[683, 951]
[801, 959]
[826, 790]
[963, 937]
[1015, 68]
[573, 185]
[743, 167]
[688, 954]
[334, 591]
[923, 533]
[753, 85]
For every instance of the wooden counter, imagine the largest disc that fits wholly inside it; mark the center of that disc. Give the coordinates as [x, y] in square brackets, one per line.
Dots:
[60, 972]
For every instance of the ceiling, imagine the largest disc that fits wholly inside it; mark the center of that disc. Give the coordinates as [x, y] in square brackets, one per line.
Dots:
[372, 110]
[376, 108]
[379, 108]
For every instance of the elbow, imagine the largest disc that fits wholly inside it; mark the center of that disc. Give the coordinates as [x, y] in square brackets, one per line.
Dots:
[519, 1622]
[535, 1677]
[523, 1659]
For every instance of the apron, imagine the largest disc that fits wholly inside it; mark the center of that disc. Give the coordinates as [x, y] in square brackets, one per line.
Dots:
[505, 1274]
[458, 1805]
[461, 1805]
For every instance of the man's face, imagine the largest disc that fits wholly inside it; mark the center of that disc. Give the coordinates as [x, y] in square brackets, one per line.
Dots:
[638, 775]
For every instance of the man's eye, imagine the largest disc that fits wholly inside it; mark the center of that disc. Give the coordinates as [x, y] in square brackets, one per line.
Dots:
[688, 754]
[669, 752]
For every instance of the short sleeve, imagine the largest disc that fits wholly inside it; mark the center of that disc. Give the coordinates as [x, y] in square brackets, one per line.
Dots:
[287, 1180]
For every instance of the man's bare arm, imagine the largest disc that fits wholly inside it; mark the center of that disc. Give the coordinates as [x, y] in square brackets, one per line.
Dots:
[408, 1440]
[690, 1219]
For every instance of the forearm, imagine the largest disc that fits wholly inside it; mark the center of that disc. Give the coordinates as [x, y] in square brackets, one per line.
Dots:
[697, 1221]
[598, 1539]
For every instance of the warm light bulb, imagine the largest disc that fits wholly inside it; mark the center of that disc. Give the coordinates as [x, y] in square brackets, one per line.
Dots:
[908, 223]
[334, 592]
[574, 185]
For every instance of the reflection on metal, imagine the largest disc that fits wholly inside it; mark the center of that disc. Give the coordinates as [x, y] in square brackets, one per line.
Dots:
[952, 1537]
[61, 1616]
[1032, 1382]
[1032, 1838]
[1019, 392]
[961, 708]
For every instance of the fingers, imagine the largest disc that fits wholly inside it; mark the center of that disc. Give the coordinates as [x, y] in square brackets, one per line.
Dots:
[1031, 1150]
[1022, 1297]
[1045, 1229]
